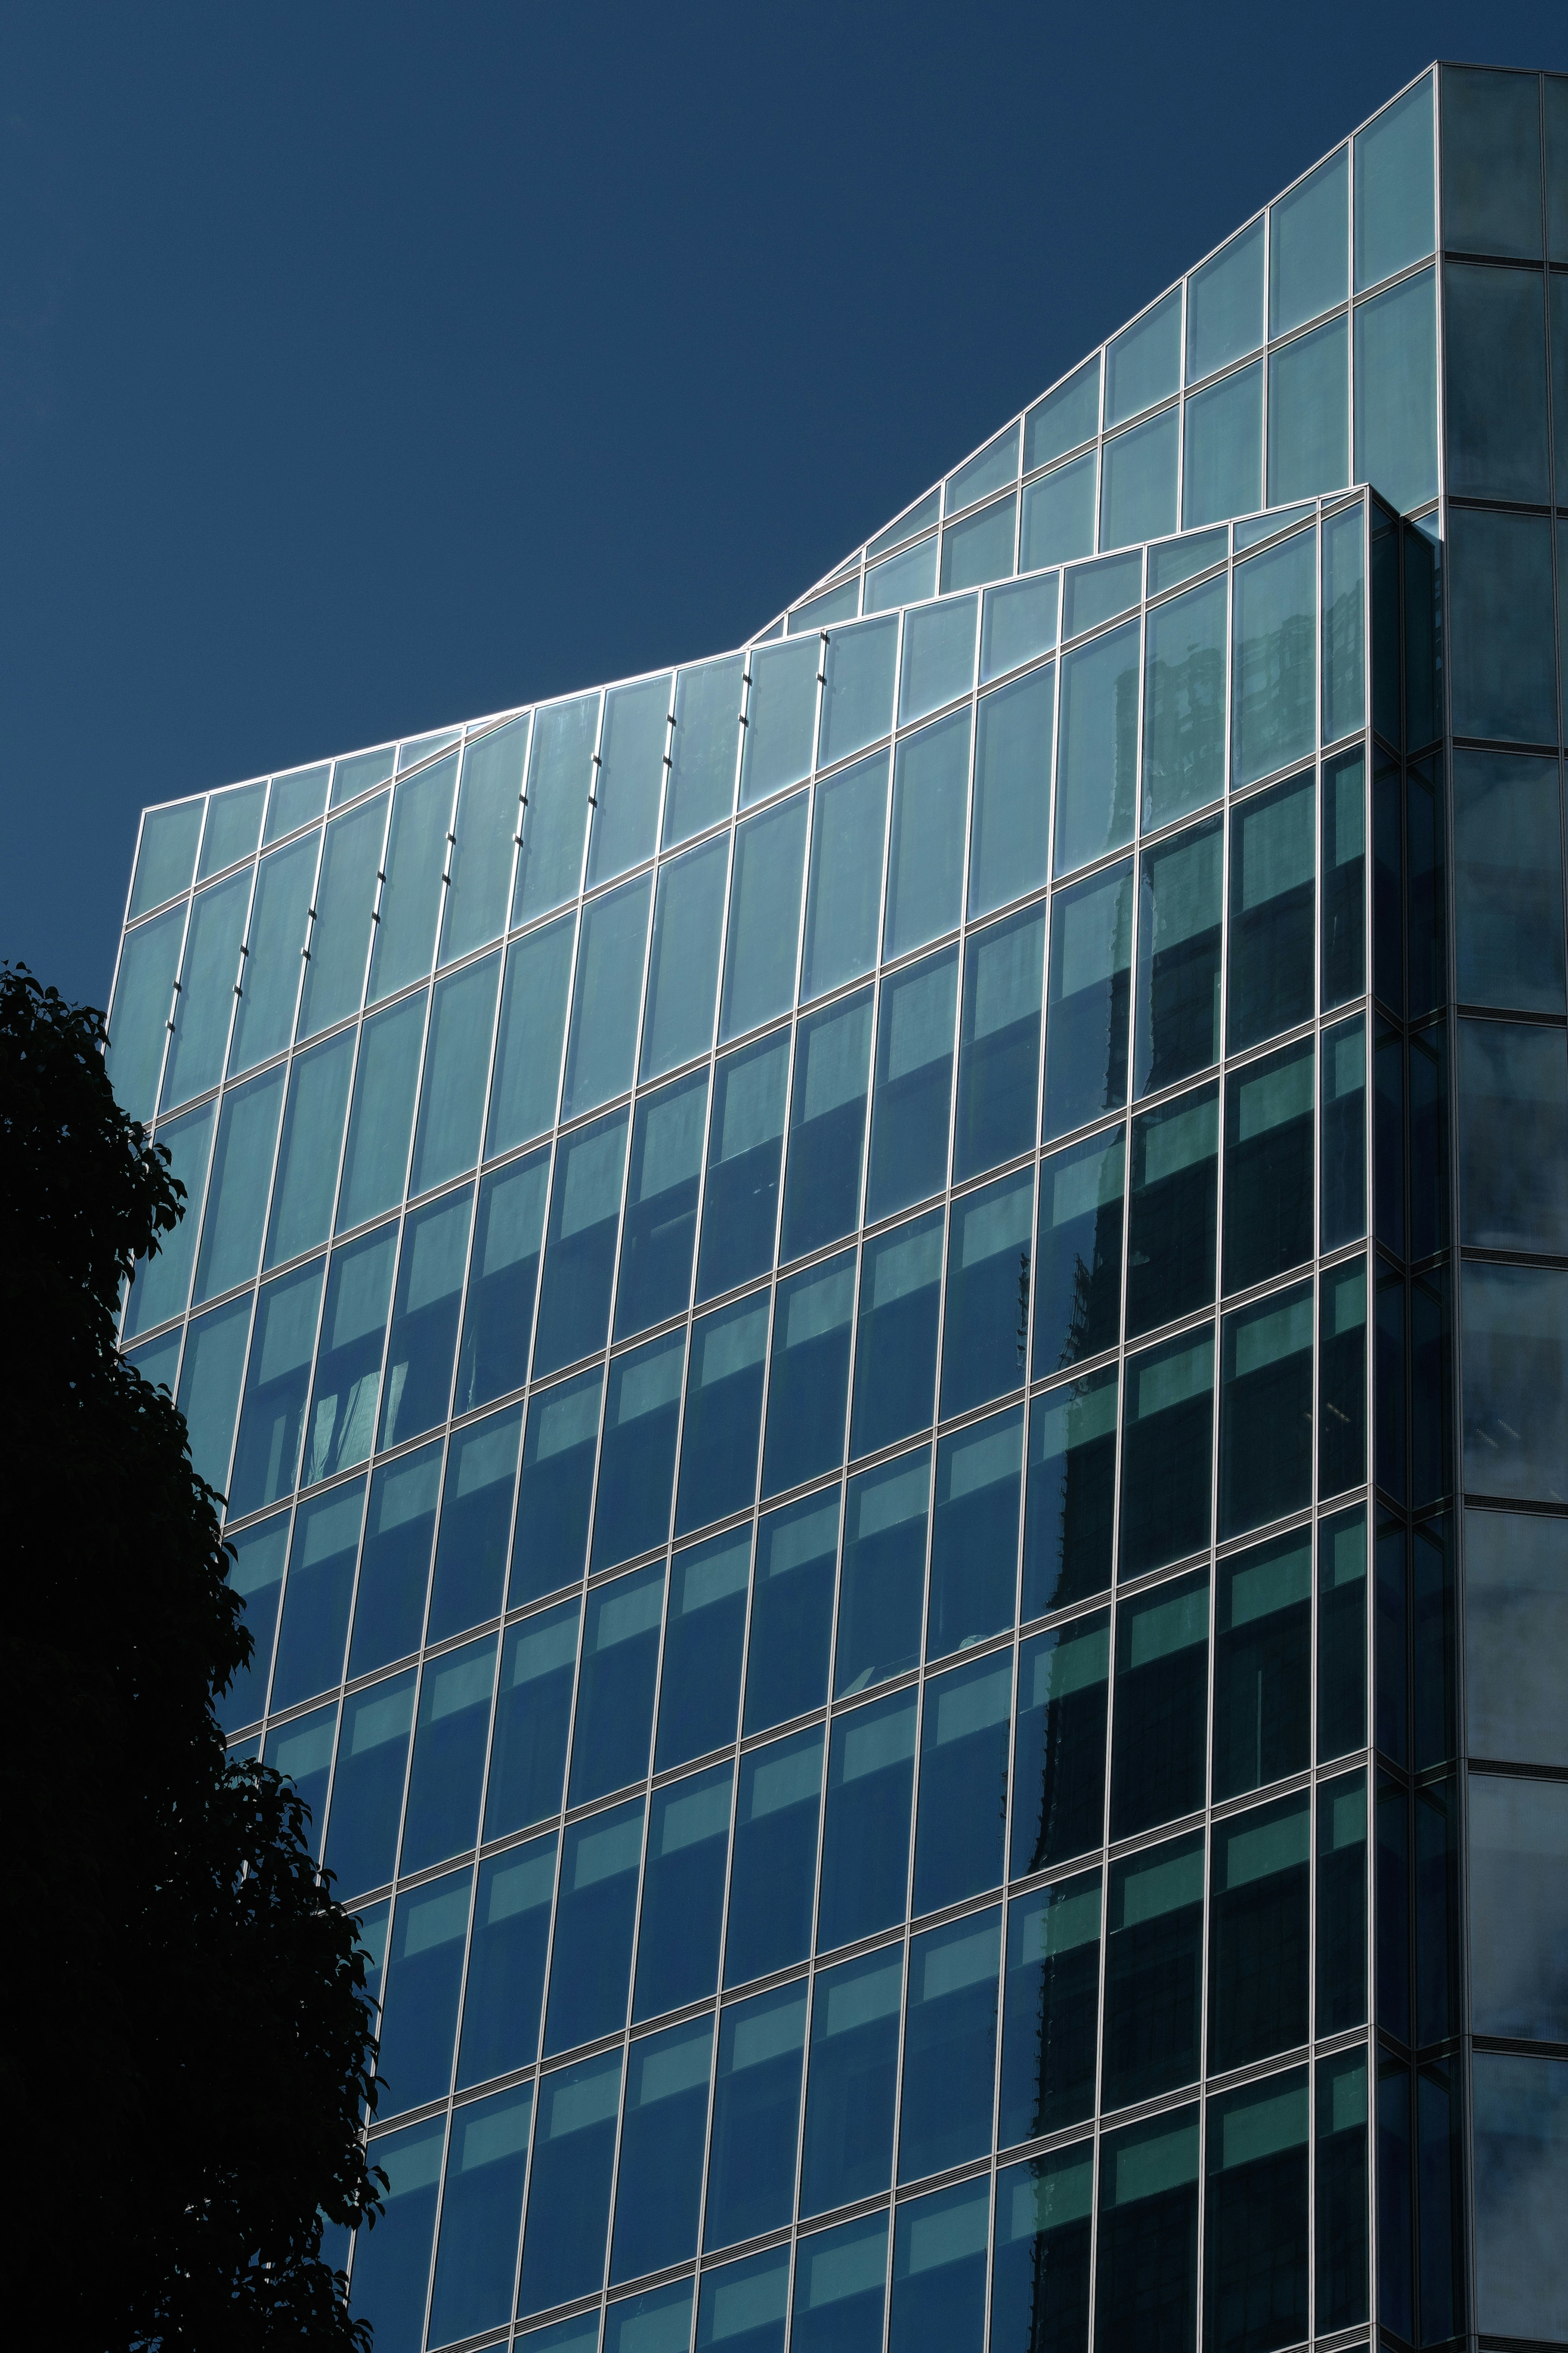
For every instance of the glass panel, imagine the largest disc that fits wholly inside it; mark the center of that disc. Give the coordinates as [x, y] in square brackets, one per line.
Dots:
[488, 815]
[1078, 1262]
[854, 2066]
[1225, 305]
[312, 1142]
[792, 1611]
[781, 719]
[723, 1409]
[210, 1384]
[1098, 760]
[1307, 246]
[138, 1030]
[700, 1682]
[995, 464]
[449, 1739]
[206, 992]
[255, 1574]
[914, 1085]
[1503, 661]
[590, 1967]
[533, 1025]
[1396, 392]
[1491, 162]
[683, 1900]
[809, 1375]
[772, 1879]
[1020, 621]
[661, 1205]
[616, 1683]
[683, 972]
[1222, 470]
[702, 748]
[394, 1570]
[1266, 1411]
[1495, 359]
[858, 698]
[1521, 2176]
[764, 918]
[1153, 1973]
[1144, 362]
[527, 1760]
[479, 2216]
[1268, 1167]
[827, 1125]
[602, 1046]
[1516, 1615]
[1180, 559]
[986, 1326]
[1178, 958]
[342, 1429]
[1040, 2261]
[296, 799]
[1272, 892]
[980, 548]
[1255, 2240]
[360, 771]
[1092, 592]
[340, 936]
[919, 517]
[938, 657]
[555, 812]
[1138, 483]
[270, 982]
[840, 604]
[745, 1144]
[930, 779]
[975, 1540]
[1166, 1453]
[1274, 630]
[1183, 704]
[1309, 415]
[636, 1466]
[316, 1602]
[1065, 418]
[1059, 1796]
[999, 1047]
[568, 2194]
[1012, 791]
[1516, 1412]
[1394, 202]
[756, 2128]
[903, 578]
[883, 1582]
[1058, 515]
[1174, 1210]
[392, 2265]
[865, 1836]
[476, 1514]
[630, 778]
[457, 1065]
[660, 2181]
[1090, 990]
[411, 895]
[425, 1318]
[950, 2066]
[498, 1320]
[575, 1294]
[167, 855]
[376, 1162]
[1508, 882]
[161, 1284]
[850, 819]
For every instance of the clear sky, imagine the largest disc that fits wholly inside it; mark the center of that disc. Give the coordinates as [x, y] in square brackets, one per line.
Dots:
[367, 368]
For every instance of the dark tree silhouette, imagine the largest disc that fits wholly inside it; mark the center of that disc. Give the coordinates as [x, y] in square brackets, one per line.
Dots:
[189, 2040]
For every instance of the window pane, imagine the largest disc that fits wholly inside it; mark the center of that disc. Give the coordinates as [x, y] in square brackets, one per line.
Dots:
[528, 1758]
[792, 1611]
[1308, 232]
[1174, 1210]
[167, 855]
[554, 1493]
[1491, 162]
[1178, 959]
[774, 1873]
[630, 778]
[848, 2150]
[1165, 1452]
[559, 767]
[699, 1684]
[1222, 470]
[580, 1254]
[1183, 719]
[1153, 1972]
[1091, 989]
[866, 1834]
[479, 2216]
[569, 2193]
[207, 985]
[895, 1364]
[1495, 357]
[950, 2057]
[1268, 1167]
[1396, 392]
[1503, 658]
[1138, 482]
[269, 983]
[1507, 878]
[1255, 2213]
[745, 1146]
[1072, 1493]
[1058, 515]
[1059, 1792]
[502, 1273]
[930, 779]
[457, 1065]
[756, 2123]
[764, 918]
[488, 815]
[273, 1414]
[340, 936]
[986, 1328]
[723, 1409]
[386, 1080]
[533, 1025]
[1521, 2179]
[659, 2175]
[1065, 418]
[975, 1540]
[827, 1126]
[809, 1375]
[1516, 1616]
[913, 1095]
[149, 964]
[683, 1899]
[1266, 1411]
[883, 1583]
[781, 719]
[590, 1967]
[1040, 2261]
[980, 548]
[999, 1047]
[449, 1739]
[963, 1782]
[1271, 889]
[1274, 627]
[1309, 415]
[1098, 760]
[1259, 1976]
[161, 1284]
[1144, 362]
[1394, 203]
[702, 748]
[857, 699]
[475, 1515]
[602, 1046]
[411, 895]
[1225, 305]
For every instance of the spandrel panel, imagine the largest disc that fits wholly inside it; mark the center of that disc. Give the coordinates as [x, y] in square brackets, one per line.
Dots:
[1393, 198]
[1396, 392]
[143, 993]
[559, 772]
[498, 1320]
[162, 1283]
[1138, 482]
[1143, 363]
[1010, 839]
[1309, 415]
[489, 812]
[999, 1043]
[1516, 1619]
[850, 819]
[781, 719]
[882, 1585]
[764, 918]
[533, 1025]
[1515, 1392]
[600, 1047]
[1495, 362]
[456, 1066]
[338, 944]
[1502, 660]
[1222, 465]
[629, 782]
[1491, 162]
[167, 856]
[703, 747]
[1308, 247]
[1064, 419]
[270, 982]
[206, 992]
[342, 1426]
[683, 970]
[857, 695]
[1058, 514]
[1183, 704]
[411, 894]
[375, 1163]
[296, 799]
[925, 867]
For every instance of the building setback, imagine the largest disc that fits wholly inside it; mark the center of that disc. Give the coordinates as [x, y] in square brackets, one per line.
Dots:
[885, 1322]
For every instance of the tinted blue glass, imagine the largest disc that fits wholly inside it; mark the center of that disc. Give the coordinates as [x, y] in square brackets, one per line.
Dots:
[1266, 1410]
[848, 820]
[1090, 990]
[724, 1409]
[764, 915]
[1260, 1941]
[1052, 2009]
[1059, 1802]
[774, 1866]
[614, 1689]
[367, 1794]
[838, 2289]
[555, 1491]
[1040, 2266]
[1138, 483]
[1173, 1213]
[683, 1892]
[895, 1352]
[302, 1749]
[1070, 1508]
[449, 1740]
[533, 1708]
[395, 1567]
[425, 1318]
[457, 1065]
[939, 2273]
[661, 1230]
[316, 1603]
[157, 1362]
[241, 1173]
[809, 1375]
[476, 1514]
[1177, 1030]
[308, 1157]
[533, 1025]
[375, 1163]
[883, 1583]
[272, 1415]
[209, 1382]
[340, 1428]
[999, 1049]
[950, 2046]
[424, 1972]
[580, 1254]
[792, 1610]
[974, 1537]
[742, 2306]
[1144, 362]
[636, 1461]
[849, 2148]
[659, 2175]
[745, 1146]
[1076, 1273]
[601, 1050]
[1154, 1971]
[479, 2216]
[1010, 843]
[568, 2194]
[161, 1283]
[705, 1632]
[506, 1962]
[866, 1831]
[255, 1574]
[392, 2262]
[986, 1329]
[914, 1085]
[1158, 1767]
[963, 1782]
[756, 2118]
[1096, 754]
[502, 1274]
[591, 1965]
[1167, 1431]
[827, 1124]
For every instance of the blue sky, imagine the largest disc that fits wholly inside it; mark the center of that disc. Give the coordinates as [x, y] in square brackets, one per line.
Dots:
[362, 368]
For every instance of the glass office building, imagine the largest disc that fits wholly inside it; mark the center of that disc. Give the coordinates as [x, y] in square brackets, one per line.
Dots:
[885, 1322]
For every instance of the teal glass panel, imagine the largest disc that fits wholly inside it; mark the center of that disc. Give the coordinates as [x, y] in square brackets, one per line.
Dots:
[580, 1253]
[411, 896]
[629, 782]
[1224, 305]
[919, 517]
[457, 1064]
[764, 917]
[980, 548]
[1309, 415]
[939, 657]
[307, 1177]
[1097, 757]
[425, 1318]
[913, 1085]
[1255, 2240]
[857, 695]
[903, 579]
[341, 1431]
[1091, 989]
[385, 1085]
[209, 1385]
[207, 985]
[1502, 660]
[702, 749]
[157, 1360]
[234, 822]
[683, 972]
[1058, 515]
[241, 1178]
[1093, 593]
[359, 772]
[1222, 470]
[1149, 2196]
[836, 604]
[995, 464]
[1515, 1394]
[661, 1205]
[138, 1016]
[167, 856]
[849, 820]
[1009, 847]
[1344, 624]
[1020, 621]
[1138, 488]
[1521, 2149]
[925, 867]
[498, 1320]
[1183, 704]
[533, 1025]
[1309, 246]
[1177, 1029]
[1040, 2268]
[606, 1002]
[340, 936]
[1494, 327]
[162, 1283]
[1143, 363]
[560, 773]
[1491, 162]
[272, 1416]
[488, 814]
[781, 719]
[1183, 559]
[255, 1574]
[296, 799]
[1393, 200]
[1396, 393]
[269, 982]
[1274, 659]
[1067, 417]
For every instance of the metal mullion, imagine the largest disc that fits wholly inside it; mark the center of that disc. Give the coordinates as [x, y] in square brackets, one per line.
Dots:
[907, 1957]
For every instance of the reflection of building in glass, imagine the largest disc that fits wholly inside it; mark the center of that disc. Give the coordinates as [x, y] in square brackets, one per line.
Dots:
[940, 1687]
